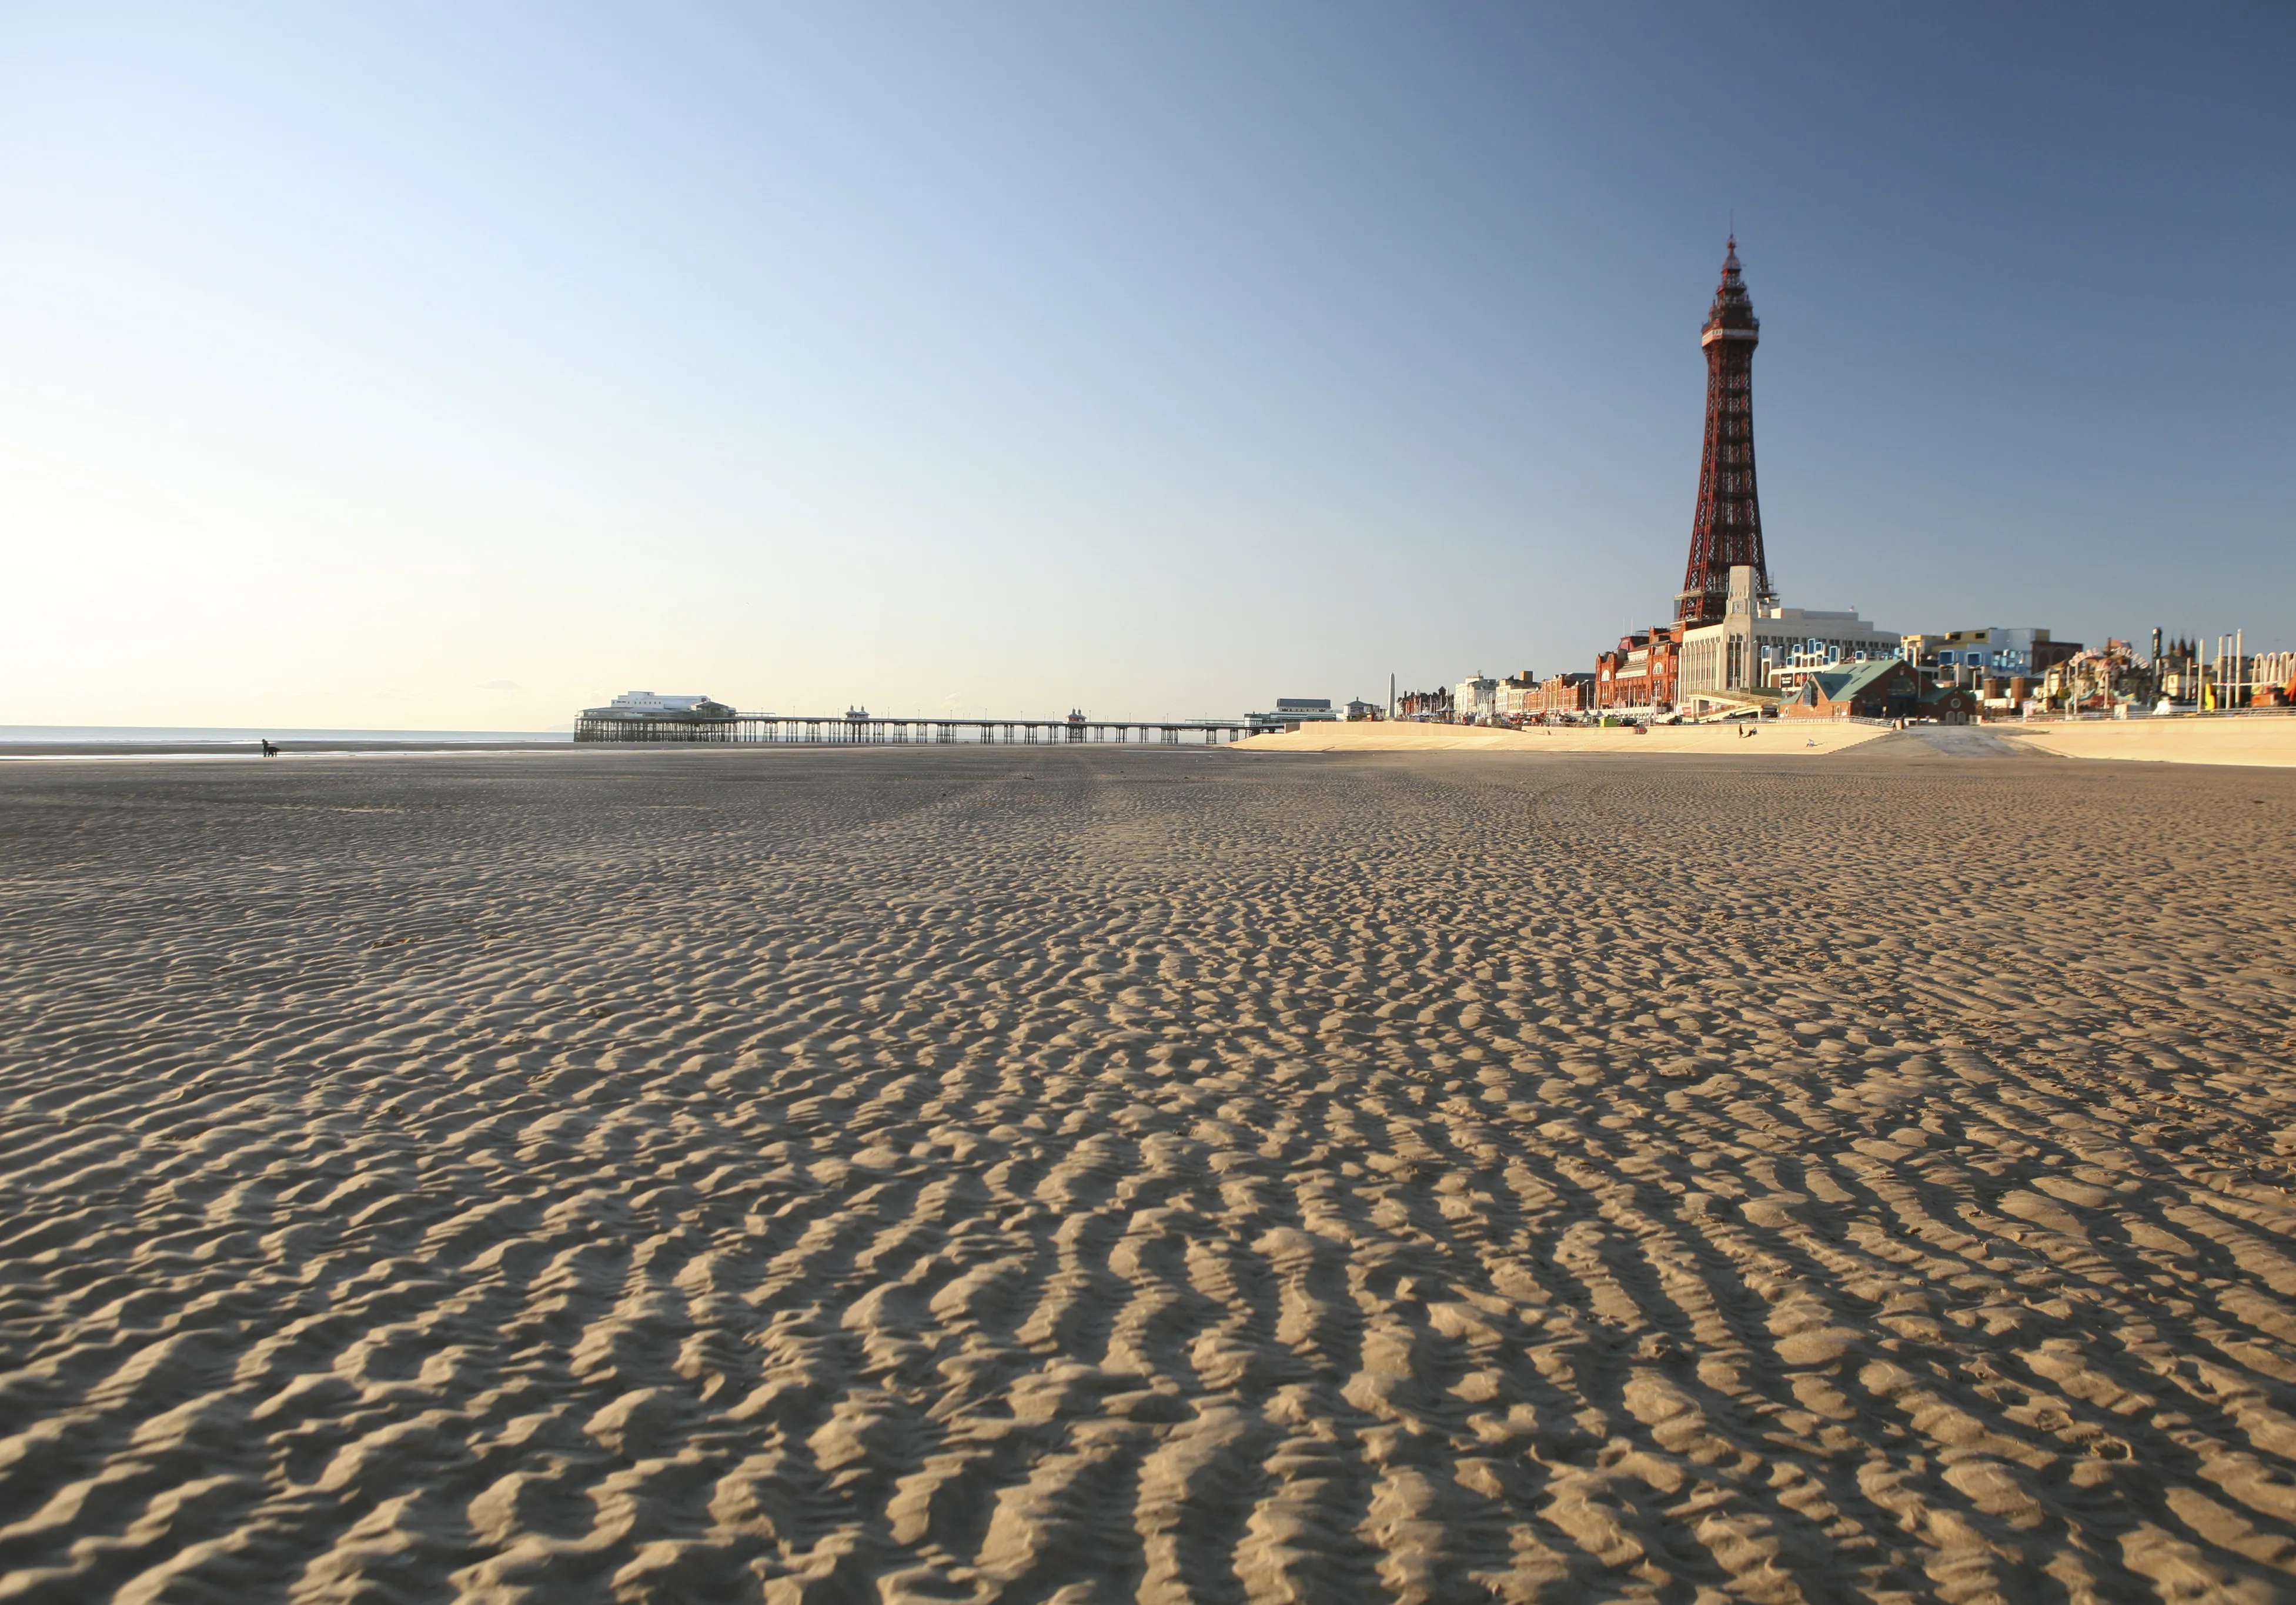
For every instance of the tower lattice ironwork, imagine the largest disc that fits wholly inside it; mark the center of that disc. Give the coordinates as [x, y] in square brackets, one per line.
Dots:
[1726, 530]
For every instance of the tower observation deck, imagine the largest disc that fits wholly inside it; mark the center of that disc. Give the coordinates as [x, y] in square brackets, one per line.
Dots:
[1726, 530]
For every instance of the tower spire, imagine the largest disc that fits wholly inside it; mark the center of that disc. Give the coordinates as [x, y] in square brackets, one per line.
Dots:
[1725, 530]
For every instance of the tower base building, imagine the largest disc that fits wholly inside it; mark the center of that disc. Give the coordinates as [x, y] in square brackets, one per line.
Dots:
[1760, 646]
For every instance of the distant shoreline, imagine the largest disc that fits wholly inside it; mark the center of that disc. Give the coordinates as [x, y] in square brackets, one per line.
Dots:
[162, 741]
[12, 735]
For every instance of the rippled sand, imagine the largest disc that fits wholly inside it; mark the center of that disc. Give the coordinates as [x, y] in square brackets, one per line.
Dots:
[1067, 1176]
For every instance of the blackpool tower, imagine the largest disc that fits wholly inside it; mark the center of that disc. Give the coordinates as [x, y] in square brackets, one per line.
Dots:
[1727, 530]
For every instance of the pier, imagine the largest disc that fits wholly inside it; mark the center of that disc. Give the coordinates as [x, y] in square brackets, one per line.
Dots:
[858, 728]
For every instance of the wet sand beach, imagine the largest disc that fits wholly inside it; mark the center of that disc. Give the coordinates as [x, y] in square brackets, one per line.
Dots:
[1070, 1176]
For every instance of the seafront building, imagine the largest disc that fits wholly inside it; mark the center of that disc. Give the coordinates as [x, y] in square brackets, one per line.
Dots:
[1564, 693]
[1293, 711]
[1517, 693]
[1998, 651]
[1475, 700]
[1879, 688]
[1642, 672]
[2177, 675]
[1428, 707]
[1755, 644]
[2003, 664]
[655, 706]
[1480, 699]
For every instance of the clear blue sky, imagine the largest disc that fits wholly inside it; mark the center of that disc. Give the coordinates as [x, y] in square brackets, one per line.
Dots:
[458, 365]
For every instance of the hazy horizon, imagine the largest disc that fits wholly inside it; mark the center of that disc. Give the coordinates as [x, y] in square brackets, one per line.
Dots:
[457, 368]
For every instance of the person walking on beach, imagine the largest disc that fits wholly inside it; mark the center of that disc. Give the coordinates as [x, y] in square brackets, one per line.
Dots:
[268, 750]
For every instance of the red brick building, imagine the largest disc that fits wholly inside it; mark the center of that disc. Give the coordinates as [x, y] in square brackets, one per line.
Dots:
[1644, 671]
[1564, 693]
[1427, 706]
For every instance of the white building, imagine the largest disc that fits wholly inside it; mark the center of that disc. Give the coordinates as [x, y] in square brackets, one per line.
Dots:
[1293, 711]
[1475, 700]
[658, 704]
[1753, 643]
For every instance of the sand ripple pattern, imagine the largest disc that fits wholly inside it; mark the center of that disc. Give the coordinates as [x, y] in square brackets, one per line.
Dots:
[1072, 1176]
